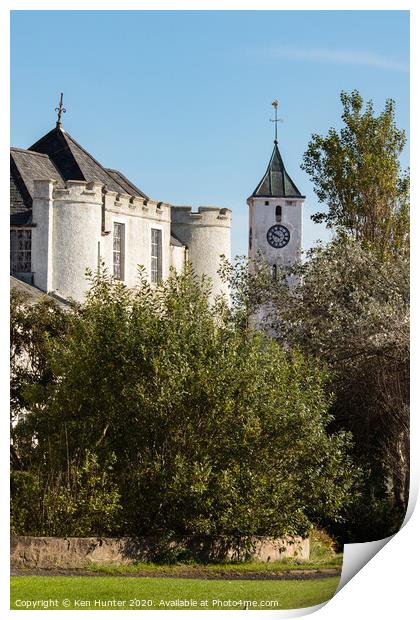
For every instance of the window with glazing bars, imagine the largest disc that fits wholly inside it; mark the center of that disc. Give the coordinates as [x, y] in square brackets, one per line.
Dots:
[118, 251]
[156, 267]
[20, 250]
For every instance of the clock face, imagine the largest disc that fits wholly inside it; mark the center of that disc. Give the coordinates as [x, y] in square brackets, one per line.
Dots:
[278, 236]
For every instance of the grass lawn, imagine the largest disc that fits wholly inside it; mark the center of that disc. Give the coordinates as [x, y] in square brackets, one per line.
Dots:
[34, 592]
[146, 569]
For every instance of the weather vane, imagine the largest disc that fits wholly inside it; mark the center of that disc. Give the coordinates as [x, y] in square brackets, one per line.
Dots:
[276, 120]
[61, 110]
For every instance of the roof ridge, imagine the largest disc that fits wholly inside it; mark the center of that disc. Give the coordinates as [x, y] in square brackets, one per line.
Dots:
[63, 146]
[91, 156]
[83, 149]
[19, 150]
[127, 180]
[78, 163]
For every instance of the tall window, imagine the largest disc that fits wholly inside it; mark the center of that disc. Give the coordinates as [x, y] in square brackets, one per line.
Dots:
[156, 267]
[20, 250]
[278, 213]
[118, 251]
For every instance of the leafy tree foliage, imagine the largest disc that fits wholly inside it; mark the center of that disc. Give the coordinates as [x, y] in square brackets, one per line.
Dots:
[357, 175]
[350, 309]
[202, 427]
[81, 499]
[31, 325]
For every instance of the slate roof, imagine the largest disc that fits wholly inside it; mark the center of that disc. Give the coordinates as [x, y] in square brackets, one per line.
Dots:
[57, 156]
[122, 180]
[25, 167]
[276, 183]
[175, 241]
[20, 213]
[75, 163]
[33, 293]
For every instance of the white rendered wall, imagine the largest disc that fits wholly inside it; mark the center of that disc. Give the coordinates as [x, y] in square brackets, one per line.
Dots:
[178, 258]
[262, 217]
[138, 220]
[207, 236]
[42, 234]
[74, 232]
[77, 231]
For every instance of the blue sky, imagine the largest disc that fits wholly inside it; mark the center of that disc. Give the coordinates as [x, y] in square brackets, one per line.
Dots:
[180, 101]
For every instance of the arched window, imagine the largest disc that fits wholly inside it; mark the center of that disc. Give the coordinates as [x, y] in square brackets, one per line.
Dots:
[278, 213]
[274, 272]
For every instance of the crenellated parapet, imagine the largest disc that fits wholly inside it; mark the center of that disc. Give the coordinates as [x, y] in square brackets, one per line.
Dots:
[74, 225]
[125, 204]
[78, 192]
[94, 192]
[204, 216]
[74, 191]
[67, 230]
[206, 233]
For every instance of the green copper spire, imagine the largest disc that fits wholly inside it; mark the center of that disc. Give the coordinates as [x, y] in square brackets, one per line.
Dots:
[276, 183]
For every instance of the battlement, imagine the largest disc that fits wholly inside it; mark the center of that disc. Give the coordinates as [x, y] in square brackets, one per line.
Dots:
[204, 216]
[79, 191]
[134, 205]
[93, 192]
[73, 191]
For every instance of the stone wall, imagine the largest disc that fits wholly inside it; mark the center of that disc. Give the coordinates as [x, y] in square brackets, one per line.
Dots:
[73, 553]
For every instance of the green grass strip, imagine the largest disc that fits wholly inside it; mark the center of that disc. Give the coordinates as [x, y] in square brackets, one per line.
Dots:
[154, 593]
[209, 569]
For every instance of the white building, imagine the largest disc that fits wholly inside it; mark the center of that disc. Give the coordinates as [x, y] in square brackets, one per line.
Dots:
[275, 216]
[70, 213]
[275, 225]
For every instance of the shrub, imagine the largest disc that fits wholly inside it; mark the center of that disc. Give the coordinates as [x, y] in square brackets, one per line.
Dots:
[214, 430]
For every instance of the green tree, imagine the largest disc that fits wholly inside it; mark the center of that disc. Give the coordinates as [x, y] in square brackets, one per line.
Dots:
[348, 303]
[350, 309]
[212, 429]
[32, 325]
[357, 175]
[79, 499]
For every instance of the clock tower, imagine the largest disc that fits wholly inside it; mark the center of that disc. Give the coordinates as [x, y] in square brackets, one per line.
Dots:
[275, 214]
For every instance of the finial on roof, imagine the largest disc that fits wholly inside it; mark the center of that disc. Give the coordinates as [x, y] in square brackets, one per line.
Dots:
[276, 120]
[61, 110]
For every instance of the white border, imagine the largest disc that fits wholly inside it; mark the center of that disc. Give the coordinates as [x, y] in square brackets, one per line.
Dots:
[387, 586]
